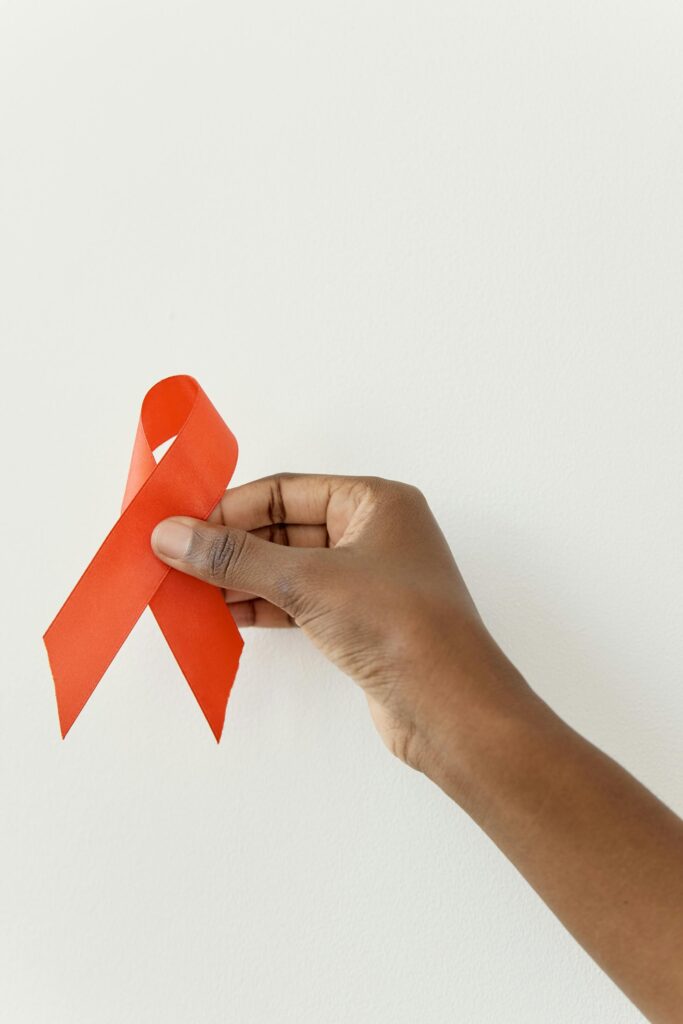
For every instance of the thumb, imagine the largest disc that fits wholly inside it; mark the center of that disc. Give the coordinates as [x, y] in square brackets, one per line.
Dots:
[232, 559]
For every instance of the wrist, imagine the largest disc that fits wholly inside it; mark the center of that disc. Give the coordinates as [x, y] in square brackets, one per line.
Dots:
[485, 719]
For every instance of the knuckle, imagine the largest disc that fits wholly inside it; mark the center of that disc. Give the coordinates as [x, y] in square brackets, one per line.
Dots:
[370, 489]
[413, 493]
[375, 484]
[394, 492]
[405, 492]
[277, 512]
[222, 555]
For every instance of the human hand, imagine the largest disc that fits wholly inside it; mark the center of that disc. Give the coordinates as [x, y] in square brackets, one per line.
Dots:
[361, 566]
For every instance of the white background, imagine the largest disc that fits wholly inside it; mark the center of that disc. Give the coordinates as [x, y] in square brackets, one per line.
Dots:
[440, 242]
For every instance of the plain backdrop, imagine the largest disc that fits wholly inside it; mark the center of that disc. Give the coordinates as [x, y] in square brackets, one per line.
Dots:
[439, 242]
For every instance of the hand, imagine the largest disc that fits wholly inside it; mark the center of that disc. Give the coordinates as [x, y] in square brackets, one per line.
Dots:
[361, 566]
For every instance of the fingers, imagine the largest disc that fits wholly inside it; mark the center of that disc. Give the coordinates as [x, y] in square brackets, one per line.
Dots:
[295, 536]
[282, 498]
[235, 559]
[275, 545]
[261, 613]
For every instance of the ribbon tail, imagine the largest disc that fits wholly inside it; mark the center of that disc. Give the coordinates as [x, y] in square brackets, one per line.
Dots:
[81, 646]
[204, 639]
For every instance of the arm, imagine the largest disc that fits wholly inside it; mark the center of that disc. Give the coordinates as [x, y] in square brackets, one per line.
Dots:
[360, 565]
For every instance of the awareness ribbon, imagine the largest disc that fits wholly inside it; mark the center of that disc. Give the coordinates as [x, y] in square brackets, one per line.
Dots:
[125, 575]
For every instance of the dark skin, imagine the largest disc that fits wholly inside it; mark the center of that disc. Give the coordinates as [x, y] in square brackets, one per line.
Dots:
[361, 566]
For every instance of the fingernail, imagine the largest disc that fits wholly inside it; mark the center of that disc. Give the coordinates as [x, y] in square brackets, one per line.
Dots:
[172, 538]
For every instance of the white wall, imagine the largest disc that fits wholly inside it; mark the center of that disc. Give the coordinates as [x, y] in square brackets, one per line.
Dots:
[439, 242]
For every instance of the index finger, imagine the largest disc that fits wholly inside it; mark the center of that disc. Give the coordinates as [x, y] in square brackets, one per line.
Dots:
[282, 498]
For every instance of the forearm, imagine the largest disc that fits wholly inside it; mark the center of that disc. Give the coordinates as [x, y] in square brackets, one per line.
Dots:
[368, 575]
[602, 851]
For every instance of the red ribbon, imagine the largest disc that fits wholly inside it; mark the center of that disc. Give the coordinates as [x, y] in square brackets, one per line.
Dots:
[125, 575]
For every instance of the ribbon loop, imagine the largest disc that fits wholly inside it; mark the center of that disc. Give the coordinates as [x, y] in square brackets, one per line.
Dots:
[124, 577]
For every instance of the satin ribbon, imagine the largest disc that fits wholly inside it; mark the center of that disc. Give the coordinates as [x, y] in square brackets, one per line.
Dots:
[125, 575]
